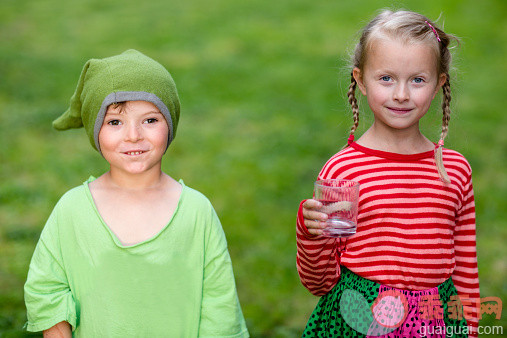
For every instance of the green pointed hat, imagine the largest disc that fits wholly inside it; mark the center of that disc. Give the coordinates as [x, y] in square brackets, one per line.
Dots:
[130, 76]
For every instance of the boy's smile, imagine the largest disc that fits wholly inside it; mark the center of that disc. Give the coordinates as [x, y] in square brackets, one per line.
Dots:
[136, 152]
[133, 139]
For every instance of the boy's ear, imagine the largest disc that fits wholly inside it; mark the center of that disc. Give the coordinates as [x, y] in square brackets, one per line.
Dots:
[358, 76]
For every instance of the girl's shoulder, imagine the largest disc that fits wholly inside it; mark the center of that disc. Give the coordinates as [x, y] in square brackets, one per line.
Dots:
[456, 159]
[339, 163]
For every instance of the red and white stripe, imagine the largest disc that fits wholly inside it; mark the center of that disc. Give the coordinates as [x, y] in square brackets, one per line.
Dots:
[414, 232]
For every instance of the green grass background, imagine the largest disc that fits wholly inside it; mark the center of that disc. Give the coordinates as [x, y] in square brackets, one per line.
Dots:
[262, 85]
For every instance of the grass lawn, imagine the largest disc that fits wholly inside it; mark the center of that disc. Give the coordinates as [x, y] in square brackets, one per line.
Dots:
[262, 86]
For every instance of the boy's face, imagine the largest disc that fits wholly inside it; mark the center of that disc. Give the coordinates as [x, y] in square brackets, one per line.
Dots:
[133, 139]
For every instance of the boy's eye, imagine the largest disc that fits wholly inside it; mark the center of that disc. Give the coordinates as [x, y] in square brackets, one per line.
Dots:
[386, 78]
[114, 122]
[151, 120]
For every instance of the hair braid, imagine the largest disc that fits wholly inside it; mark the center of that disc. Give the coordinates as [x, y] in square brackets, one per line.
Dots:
[446, 116]
[351, 94]
[446, 107]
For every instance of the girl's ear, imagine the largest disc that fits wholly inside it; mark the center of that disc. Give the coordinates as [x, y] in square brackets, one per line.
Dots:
[441, 80]
[358, 76]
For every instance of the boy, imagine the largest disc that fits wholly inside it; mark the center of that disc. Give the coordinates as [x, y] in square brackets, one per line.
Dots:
[133, 253]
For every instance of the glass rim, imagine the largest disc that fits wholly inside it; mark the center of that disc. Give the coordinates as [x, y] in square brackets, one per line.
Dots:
[346, 183]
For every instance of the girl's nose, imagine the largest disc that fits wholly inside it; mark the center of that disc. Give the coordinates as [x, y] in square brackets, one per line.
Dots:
[134, 133]
[401, 93]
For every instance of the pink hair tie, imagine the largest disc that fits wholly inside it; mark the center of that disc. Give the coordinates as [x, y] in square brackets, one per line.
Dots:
[440, 143]
[351, 138]
[434, 31]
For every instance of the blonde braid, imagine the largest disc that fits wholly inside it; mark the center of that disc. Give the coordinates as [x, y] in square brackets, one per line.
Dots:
[446, 116]
[446, 106]
[351, 94]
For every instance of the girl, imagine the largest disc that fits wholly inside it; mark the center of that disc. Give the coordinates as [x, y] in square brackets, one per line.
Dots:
[133, 253]
[414, 249]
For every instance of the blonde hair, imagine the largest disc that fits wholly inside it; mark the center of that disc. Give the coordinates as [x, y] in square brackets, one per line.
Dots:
[409, 27]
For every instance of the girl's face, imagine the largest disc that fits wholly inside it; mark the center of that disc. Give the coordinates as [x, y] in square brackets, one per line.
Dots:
[400, 81]
[133, 141]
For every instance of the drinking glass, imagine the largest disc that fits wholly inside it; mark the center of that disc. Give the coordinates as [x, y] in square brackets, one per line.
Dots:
[339, 200]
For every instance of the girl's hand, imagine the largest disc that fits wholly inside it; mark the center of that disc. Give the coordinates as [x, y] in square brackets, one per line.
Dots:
[315, 220]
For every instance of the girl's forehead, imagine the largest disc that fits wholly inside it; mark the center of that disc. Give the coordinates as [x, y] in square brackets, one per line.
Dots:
[389, 39]
[401, 53]
[380, 36]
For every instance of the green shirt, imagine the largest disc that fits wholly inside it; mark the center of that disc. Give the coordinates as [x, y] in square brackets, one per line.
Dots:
[179, 283]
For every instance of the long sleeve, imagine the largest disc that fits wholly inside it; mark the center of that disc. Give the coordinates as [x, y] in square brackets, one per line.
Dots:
[465, 276]
[48, 296]
[317, 259]
[221, 314]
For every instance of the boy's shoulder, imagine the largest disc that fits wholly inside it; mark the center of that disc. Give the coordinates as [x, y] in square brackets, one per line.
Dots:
[194, 196]
[73, 204]
[74, 195]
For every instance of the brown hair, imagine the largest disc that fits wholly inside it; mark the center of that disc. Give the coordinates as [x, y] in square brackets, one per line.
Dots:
[121, 106]
[407, 26]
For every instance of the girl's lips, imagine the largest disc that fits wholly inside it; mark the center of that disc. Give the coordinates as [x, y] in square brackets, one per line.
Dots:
[399, 110]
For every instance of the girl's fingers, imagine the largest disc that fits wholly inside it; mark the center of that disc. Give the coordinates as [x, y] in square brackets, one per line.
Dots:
[314, 215]
[311, 210]
[315, 232]
[315, 220]
[312, 204]
[312, 224]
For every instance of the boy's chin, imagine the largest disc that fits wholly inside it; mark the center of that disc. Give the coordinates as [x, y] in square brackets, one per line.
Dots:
[135, 169]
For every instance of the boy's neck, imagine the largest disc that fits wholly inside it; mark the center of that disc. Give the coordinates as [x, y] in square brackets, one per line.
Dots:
[146, 181]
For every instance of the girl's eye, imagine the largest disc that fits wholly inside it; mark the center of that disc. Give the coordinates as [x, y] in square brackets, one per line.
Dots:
[418, 80]
[386, 78]
[151, 120]
[114, 122]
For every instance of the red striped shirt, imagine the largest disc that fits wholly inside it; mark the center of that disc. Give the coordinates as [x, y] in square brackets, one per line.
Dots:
[414, 232]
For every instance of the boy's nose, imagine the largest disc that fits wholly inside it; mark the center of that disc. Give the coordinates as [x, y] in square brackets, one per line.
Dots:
[133, 133]
[401, 93]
